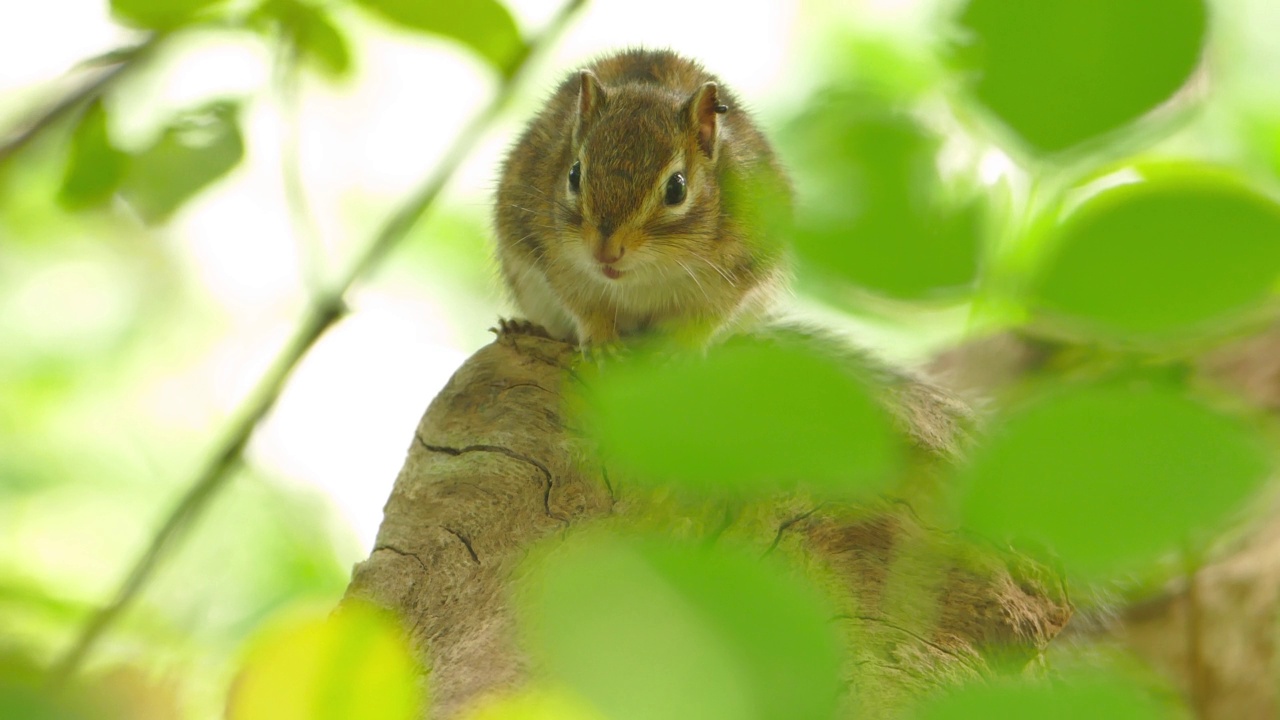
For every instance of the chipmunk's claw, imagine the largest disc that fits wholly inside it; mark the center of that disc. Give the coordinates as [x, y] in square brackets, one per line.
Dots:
[516, 326]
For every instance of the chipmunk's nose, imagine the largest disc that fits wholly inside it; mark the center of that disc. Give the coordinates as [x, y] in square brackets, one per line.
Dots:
[610, 249]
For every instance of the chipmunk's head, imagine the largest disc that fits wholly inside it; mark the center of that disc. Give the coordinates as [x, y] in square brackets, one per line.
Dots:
[640, 187]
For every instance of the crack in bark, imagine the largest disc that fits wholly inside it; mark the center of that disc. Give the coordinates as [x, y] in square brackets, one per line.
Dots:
[786, 525]
[404, 553]
[546, 473]
[465, 542]
[963, 659]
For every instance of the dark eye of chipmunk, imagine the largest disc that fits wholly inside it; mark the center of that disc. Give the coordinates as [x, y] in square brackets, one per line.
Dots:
[575, 176]
[675, 189]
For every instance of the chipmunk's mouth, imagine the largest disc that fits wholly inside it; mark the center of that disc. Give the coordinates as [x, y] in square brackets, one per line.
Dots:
[611, 272]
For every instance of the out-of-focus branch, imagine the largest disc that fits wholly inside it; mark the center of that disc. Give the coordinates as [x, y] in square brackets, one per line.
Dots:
[117, 64]
[326, 307]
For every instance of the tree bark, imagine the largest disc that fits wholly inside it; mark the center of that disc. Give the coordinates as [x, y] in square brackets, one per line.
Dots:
[493, 469]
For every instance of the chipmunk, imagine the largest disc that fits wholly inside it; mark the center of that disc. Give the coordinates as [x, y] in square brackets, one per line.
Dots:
[642, 198]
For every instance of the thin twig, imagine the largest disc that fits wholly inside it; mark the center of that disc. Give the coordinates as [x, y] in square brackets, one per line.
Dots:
[120, 63]
[325, 309]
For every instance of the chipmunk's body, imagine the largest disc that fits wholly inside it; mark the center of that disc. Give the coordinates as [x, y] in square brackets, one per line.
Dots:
[641, 198]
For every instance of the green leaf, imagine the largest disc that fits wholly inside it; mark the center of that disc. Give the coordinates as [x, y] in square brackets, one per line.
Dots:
[323, 44]
[1060, 72]
[1110, 477]
[877, 214]
[648, 629]
[25, 695]
[485, 26]
[1101, 698]
[1169, 256]
[314, 34]
[353, 663]
[193, 152]
[748, 417]
[159, 14]
[94, 166]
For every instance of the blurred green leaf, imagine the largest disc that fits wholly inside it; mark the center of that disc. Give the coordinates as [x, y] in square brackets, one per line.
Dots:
[352, 664]
[1112, 476]
[312, 31]
[323, 44]
[159, 14]
[536, 704]
[197, 149]
[94, 166]
[24, 694]
[1170, 255]
[485, 26]
[653, 630]
[878, 215]
[1059, 72]
[748, 417]
[1097, 698]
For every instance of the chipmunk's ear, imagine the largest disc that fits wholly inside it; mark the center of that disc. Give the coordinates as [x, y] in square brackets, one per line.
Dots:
[704, 110]
[591, 98]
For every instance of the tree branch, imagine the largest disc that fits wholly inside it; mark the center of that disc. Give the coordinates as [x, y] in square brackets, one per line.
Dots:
[120, 63]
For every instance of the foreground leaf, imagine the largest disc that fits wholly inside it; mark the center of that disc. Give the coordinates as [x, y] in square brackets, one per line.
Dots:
[748, 417]
[485, 26]
[95, 167]
[1166, 257]
[352, 665]
[1110, 477]
[654, 630]
[878, 215]
[159, 14]
[1060, 72]
[193, 152]
[1101, 698]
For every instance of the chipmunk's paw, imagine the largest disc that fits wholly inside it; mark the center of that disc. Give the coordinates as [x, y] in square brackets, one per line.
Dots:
[516, 326]
[601, 354]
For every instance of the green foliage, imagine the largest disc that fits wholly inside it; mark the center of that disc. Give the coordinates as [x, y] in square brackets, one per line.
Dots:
[196, 149]
[1060, 72]
[351, 665]
[160, 14]
[95, 167]
[312, 33]
[1112, 476]
[1109, 697]
[1176, 254]
[484, 26]
[691, 632]
[749, 417]
[879, 216]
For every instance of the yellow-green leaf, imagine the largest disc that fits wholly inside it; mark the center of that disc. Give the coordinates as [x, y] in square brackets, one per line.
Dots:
[485, 26]
[354, 664]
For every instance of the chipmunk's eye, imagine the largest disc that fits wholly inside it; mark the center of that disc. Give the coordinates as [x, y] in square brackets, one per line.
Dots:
[575, 176]
[675, 189]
